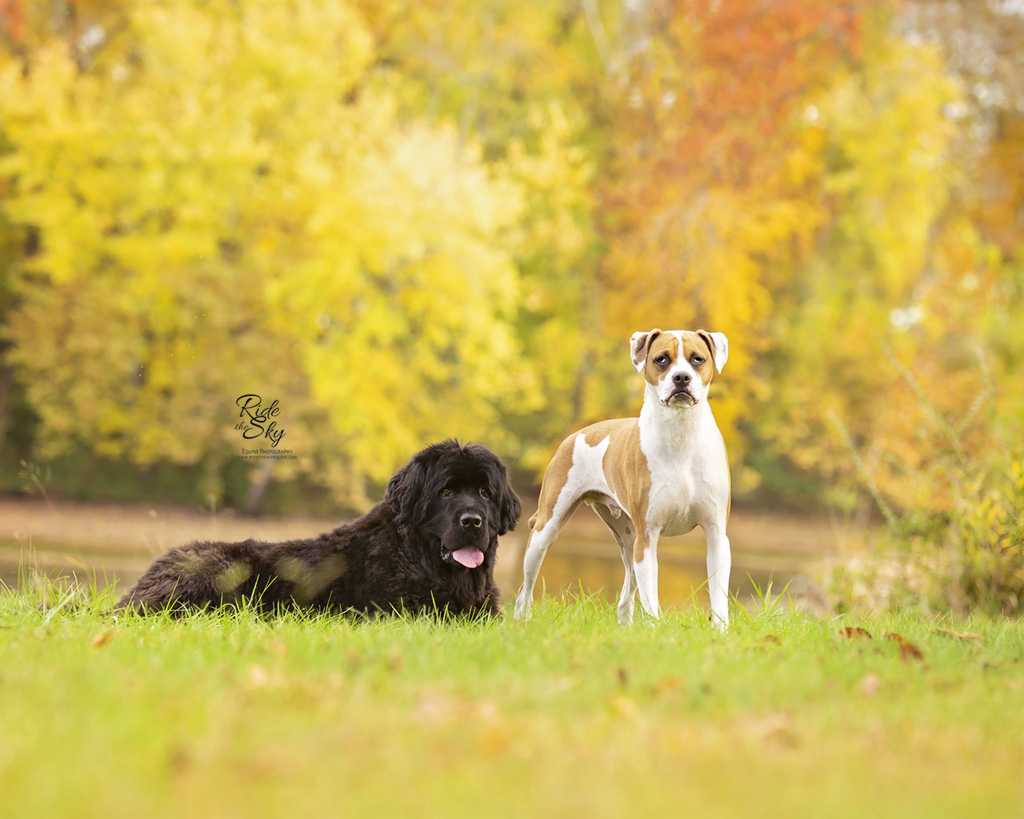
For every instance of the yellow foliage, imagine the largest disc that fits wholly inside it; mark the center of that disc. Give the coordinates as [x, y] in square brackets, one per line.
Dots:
[871, 341]
[220, 216]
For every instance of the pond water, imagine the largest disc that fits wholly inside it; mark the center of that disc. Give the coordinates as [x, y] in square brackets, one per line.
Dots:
[681, 578]
[769, 551]
[585, 559]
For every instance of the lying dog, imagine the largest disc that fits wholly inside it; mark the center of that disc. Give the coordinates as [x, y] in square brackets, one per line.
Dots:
[660, 474]
[428, 546]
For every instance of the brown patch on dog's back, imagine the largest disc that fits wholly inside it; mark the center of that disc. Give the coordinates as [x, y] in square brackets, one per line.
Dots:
[630, 483]
[555, 477]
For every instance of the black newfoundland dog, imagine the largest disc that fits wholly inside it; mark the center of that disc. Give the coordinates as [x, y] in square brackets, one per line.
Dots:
[429, 546]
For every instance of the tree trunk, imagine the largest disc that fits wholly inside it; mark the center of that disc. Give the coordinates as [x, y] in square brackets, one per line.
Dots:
[258, 488]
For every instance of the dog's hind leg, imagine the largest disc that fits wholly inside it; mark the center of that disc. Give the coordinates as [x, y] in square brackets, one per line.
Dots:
[536, 549]
[574, 474]
[622, 528]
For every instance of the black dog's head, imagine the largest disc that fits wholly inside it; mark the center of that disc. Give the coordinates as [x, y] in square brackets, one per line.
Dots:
[458, 498]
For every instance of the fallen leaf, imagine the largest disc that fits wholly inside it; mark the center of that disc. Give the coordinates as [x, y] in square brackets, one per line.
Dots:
[436, 708]
[960, 635]
[908, 651]
[101, 640]
[258, 676]
[871, 684]
[494, 739]
[854, 633]
[178, 759]
[666, 684]
[279, 647]
[775, 729]
[623, 706]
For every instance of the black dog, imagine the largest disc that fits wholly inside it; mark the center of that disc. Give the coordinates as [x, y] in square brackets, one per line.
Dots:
[429, 546]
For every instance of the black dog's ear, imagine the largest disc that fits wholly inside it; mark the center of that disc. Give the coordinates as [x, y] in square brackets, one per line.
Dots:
[509, 506]
[405, 490]
[511, 509]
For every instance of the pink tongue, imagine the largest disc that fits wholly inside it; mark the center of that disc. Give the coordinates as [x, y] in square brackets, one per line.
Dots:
[469, 556]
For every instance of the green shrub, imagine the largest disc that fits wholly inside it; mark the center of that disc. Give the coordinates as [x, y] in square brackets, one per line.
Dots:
[987, 531]
[967, 558]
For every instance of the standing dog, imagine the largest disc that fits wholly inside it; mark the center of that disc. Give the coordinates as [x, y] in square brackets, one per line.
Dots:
[660, 474]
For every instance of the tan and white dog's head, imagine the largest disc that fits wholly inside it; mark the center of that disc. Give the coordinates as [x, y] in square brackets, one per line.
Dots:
[679, 364]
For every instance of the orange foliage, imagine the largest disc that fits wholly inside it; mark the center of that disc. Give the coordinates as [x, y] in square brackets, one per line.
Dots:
[718, 169]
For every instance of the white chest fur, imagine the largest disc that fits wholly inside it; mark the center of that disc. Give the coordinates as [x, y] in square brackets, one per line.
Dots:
[689, 470]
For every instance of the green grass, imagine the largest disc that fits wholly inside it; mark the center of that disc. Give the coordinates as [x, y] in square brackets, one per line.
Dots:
[567, 715]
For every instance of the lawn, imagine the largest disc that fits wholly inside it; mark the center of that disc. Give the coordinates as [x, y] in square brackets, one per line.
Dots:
[566, 715]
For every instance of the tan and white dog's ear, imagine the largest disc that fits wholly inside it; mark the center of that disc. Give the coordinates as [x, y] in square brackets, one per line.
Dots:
[718, 344]
[639, 344]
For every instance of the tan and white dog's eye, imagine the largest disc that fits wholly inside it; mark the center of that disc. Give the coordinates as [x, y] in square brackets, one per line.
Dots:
[484, 493]
[661, 360]
[696, 360]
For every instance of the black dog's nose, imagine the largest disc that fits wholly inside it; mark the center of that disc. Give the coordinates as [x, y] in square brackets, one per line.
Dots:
[469, 519]
[682, 379]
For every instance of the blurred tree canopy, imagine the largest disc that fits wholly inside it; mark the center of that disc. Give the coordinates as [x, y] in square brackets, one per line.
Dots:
[413, 221]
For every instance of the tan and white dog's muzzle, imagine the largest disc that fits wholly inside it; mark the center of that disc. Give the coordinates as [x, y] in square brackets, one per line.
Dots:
[681, 386]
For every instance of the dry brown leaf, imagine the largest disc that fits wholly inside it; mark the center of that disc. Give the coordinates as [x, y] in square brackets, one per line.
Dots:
[623, 706]
[666, 684]
[908, 651]
[101, 640]
[959, 635]
[871, 684]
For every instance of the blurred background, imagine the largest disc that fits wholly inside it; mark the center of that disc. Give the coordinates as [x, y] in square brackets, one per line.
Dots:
[410, 221]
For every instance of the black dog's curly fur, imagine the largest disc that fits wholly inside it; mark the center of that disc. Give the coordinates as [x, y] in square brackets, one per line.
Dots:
[399, 556]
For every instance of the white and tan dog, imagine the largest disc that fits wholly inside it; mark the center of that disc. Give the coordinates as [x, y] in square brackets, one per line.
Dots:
[660, 474]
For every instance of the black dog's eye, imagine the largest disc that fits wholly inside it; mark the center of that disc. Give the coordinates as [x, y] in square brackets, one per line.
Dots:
[696, 360]
[484, 493]
[446, 492]
[661, 360]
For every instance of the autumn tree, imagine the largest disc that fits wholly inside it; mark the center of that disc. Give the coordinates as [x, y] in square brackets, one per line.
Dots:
[904, 303]
[228, 202]
[523, 81]
[716, 170]
[794, 174]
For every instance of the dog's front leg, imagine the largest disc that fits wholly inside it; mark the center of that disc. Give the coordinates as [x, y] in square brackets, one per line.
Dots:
[645, 568]
[719, 568]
